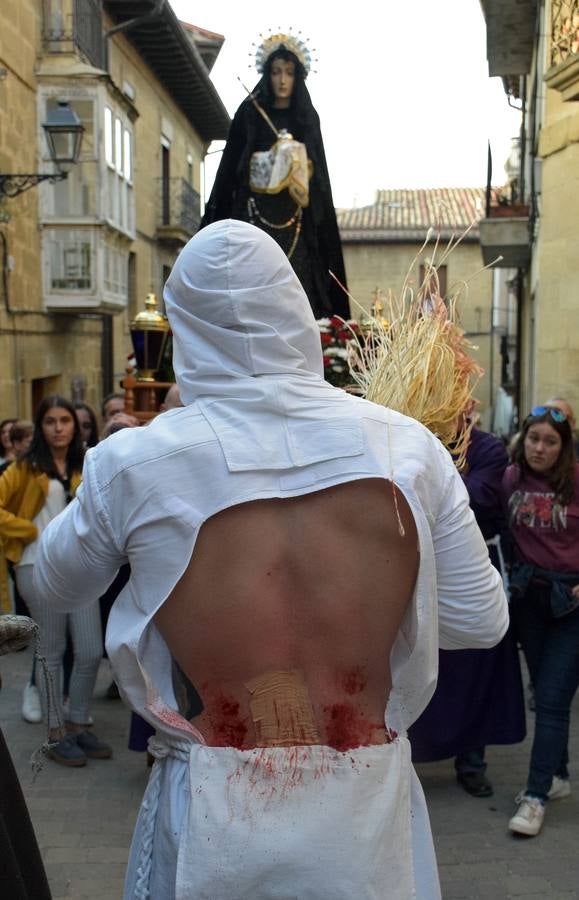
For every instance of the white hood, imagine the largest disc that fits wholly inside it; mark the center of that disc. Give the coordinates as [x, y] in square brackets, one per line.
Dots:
[247, 350]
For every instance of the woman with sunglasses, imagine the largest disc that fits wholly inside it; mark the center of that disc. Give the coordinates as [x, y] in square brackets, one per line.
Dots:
[33, 491]
[541, 490]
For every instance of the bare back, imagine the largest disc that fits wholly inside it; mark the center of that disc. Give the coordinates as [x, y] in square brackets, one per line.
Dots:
[286, 615]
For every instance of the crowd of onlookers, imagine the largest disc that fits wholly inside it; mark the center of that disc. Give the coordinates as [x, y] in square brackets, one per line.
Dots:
[40, 472]
[534, 491]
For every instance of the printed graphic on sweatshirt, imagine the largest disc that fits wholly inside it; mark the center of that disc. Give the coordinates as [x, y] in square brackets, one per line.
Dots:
[537, 510]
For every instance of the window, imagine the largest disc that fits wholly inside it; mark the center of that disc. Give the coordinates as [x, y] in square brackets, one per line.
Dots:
[127, 156]
[75, 197]
[119, 202]
[70, 260]
[109, 135]
[116, 272]
[118, 145]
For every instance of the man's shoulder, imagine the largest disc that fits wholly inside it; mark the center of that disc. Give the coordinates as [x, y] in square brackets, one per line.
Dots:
[399, 425]
[385, 414]
[176, 431]
[416, 454]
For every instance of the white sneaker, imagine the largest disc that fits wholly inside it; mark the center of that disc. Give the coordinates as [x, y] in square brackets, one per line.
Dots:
[528, 819]
[560, 787]
[31, 708]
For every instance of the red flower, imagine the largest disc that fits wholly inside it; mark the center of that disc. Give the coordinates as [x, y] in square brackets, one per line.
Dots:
[327, 361]
[326, 339]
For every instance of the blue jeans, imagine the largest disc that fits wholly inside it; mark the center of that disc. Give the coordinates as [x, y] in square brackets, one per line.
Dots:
[551, 648]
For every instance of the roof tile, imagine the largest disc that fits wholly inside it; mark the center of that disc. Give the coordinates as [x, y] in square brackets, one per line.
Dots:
[407, 214]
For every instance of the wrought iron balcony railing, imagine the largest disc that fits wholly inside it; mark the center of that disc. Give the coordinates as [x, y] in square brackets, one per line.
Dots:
[179, 209]
[75, 24]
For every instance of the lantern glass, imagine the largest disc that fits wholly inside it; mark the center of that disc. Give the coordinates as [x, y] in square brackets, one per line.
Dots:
[149, 330]
[64, 131]
[148, 347]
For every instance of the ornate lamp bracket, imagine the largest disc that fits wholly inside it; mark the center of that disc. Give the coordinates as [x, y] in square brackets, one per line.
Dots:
[13, 184]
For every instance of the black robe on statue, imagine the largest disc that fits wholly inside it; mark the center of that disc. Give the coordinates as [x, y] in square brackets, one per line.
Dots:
[318, 248]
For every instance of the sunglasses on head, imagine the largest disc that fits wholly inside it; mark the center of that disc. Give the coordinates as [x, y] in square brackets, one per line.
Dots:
[555, 413]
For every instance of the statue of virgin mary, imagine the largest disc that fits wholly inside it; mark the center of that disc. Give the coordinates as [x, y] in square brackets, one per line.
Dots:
[273, 173]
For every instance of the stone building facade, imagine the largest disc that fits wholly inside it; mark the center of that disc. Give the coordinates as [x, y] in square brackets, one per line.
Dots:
[79, 256]
[534, 47]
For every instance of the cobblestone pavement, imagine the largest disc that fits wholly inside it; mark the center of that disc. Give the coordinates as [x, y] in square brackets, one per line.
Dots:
[84, 817]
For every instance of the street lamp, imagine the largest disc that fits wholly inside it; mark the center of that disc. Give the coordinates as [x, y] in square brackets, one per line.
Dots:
[64, 131]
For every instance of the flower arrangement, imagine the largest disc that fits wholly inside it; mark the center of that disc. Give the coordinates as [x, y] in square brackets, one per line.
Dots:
[336, 335]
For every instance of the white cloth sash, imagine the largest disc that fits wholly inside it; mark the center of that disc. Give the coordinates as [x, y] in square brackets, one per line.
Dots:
[282, 823]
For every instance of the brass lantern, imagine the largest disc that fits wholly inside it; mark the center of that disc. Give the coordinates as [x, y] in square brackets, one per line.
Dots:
[149, 330]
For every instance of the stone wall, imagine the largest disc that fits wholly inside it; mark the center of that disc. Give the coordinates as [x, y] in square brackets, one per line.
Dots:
[556, 311]
[36, 350]
[158, 115]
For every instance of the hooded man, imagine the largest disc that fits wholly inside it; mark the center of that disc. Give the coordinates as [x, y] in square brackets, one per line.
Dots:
[297, 555]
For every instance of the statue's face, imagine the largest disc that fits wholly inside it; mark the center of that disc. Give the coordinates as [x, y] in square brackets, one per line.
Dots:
[283, 74]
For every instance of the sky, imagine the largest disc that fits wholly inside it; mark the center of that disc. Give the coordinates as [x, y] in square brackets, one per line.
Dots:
[401, 88]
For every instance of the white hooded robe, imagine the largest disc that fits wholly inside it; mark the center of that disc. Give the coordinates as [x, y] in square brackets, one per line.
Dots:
[259, 422]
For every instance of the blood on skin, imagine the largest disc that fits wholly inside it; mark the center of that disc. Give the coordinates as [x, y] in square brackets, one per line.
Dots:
[354, 680]
[346, 728]
[229, 728]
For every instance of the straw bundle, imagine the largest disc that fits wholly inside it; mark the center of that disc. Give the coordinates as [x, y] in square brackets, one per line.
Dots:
[416, 359]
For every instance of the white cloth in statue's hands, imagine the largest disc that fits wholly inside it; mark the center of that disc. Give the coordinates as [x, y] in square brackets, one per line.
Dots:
[285, 165]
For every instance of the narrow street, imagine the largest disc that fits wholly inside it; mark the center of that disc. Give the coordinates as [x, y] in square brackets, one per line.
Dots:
[84, 817]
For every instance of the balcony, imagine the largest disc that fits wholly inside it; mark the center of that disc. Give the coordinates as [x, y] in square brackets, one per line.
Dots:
[85, 270]
[510, 26]
[179, 211]
[75, 26]
[563, 74]
[505, 232]
[506, 229]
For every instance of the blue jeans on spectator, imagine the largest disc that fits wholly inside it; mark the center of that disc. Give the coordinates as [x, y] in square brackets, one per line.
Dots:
[551, 648]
